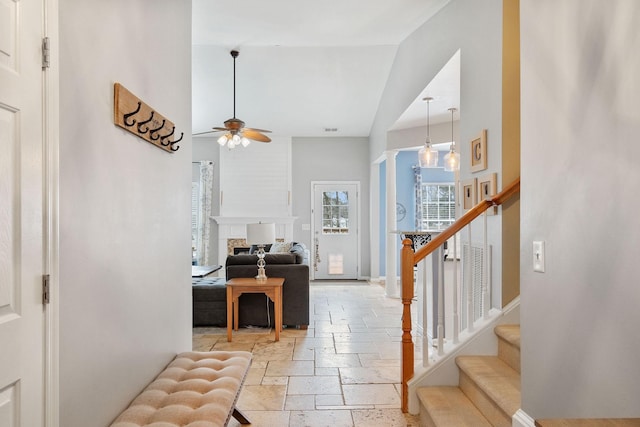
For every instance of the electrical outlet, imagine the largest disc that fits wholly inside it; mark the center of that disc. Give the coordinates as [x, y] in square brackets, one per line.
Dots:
[538, 256]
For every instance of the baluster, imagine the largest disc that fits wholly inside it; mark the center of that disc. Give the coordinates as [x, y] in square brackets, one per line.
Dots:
[456, 320]
[485, 269]
[440, 284]
[469, 283]
[425, 322]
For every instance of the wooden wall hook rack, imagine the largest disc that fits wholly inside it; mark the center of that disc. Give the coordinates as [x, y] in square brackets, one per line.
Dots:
[130, 113]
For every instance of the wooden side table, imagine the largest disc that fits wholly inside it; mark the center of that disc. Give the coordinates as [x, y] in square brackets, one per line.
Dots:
[271, 287]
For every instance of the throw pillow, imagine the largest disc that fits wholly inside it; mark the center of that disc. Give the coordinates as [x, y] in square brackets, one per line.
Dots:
[280, 247]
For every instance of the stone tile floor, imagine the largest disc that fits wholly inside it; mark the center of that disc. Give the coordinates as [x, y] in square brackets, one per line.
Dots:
[342, 371]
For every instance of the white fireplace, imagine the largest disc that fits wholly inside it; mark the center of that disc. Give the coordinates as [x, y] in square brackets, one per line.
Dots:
[235, 227]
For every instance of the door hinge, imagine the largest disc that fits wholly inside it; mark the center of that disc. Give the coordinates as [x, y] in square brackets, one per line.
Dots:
[46, 53]
[45, 288]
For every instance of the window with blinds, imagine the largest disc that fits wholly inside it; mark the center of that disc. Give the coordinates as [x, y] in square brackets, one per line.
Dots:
[438, 206]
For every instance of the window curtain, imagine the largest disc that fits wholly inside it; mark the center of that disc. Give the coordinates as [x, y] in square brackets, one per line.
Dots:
[203, 248]
[417, 189]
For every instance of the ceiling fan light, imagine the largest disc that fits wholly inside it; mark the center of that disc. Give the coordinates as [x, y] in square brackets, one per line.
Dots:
[236, 139]
[245, 141]
[222, 140]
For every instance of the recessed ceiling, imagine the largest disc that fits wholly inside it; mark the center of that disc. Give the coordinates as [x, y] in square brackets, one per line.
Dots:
[303, 66]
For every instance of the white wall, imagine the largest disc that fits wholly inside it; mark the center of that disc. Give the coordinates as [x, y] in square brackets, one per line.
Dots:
[256, 180]
[580, 127]
[330, 159]
[125, 295]
[475, 28]
[414, 137]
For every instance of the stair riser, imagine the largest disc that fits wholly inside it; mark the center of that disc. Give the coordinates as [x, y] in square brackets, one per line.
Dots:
[488, 408]
[509, 354]
[425, 418]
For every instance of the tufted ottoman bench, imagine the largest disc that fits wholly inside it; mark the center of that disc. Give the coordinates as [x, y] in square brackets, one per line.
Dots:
[197, 389]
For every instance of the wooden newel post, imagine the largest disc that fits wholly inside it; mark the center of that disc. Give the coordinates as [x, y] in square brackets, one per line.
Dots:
[406, 270]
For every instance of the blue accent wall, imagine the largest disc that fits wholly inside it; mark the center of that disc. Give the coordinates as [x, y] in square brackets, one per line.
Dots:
[405, 195]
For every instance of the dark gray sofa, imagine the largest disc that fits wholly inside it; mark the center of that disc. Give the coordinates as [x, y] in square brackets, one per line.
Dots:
[209, 301]
[209, 295]
[294, 268]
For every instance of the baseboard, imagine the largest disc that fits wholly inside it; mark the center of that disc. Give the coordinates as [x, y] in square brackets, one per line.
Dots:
[522, 419]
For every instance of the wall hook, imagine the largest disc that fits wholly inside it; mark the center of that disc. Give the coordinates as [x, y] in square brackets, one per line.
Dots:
[141, 124]
[162, 139]
[126, 116]
[176, 141]
[145, 122]
[154, 131]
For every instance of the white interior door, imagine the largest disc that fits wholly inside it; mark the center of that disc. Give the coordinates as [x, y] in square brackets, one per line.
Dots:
[335, 249]
[21, 215]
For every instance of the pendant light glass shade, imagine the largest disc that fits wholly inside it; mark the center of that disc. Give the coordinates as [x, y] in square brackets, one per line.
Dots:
[452, 159]
[428, 156]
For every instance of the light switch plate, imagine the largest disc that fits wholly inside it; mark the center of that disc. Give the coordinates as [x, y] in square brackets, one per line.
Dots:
[306, 227]
[538, 256]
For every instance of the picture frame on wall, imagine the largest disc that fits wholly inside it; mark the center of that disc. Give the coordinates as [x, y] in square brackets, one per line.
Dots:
[479, 152]
[468, 192]
[487, 188]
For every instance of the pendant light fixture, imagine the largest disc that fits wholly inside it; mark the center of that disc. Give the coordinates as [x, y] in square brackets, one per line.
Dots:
[452, 158]
[428, 156]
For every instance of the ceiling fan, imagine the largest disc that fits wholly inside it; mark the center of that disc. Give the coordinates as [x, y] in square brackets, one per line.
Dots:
[235, 132]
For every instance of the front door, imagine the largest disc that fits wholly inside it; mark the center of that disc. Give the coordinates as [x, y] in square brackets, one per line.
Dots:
[335, 252]
[22, 323]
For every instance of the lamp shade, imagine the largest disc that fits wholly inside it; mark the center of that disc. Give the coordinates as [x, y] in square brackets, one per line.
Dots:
[261, 233]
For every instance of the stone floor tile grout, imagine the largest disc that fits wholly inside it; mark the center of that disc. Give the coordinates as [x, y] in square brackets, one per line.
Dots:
[349, 317]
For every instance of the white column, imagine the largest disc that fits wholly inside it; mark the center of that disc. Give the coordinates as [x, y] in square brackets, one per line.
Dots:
[374, 221]
[391, 280]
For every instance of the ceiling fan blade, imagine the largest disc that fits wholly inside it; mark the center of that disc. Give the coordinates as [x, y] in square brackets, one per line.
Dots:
[258, 130]
[219, 129]
[256, 136]
[203, 133]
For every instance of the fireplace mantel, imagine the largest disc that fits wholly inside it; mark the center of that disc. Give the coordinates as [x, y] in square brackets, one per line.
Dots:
[235, 227]
[244, 220]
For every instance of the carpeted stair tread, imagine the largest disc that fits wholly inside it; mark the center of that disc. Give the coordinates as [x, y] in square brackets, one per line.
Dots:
[602, 422]
[509, 333]
[495, 378]
[449, 406]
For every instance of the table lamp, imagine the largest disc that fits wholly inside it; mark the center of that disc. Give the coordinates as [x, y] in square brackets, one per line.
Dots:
[260, 235]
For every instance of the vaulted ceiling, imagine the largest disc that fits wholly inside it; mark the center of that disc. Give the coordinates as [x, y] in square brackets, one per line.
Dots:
[306, 68]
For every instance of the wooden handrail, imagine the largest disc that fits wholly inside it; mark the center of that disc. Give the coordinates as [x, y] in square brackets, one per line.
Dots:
[409, 259]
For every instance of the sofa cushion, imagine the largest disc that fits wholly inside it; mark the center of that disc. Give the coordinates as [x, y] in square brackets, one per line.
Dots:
[280, 247]
[277, 258]
[213, 289]
[300, 251]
